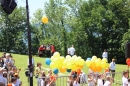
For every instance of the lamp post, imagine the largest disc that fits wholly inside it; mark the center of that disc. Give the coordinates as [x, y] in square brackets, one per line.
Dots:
[29, 46]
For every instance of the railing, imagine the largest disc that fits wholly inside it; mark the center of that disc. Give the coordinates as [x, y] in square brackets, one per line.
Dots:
[62, 80]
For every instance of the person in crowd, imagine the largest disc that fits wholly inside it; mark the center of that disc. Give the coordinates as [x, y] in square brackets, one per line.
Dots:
[124, 78]
[41, 50]
[69, 81]
[5, 78]
[13, 81]
[41, 81]
[105, 54]
[68, 51]
[72, 51]
[113, 68]
[1, 75]
[38, 69]
[99, 81]
[91, 81]
[107, 71]
[83, 78]
[49, 82]
[48, 51]
[1, 62]
[53, 50]
[108, 81]
[7, 60]
[76, 80]
[18, 82]
[13, 61]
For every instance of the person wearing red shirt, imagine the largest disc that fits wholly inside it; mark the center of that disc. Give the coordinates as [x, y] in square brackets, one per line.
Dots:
[52, 49]
[41, 50]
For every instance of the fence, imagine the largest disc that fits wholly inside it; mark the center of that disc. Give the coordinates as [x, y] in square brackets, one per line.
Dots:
[62, 80]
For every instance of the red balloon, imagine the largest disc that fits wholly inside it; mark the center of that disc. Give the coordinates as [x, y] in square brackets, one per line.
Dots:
[128, 62]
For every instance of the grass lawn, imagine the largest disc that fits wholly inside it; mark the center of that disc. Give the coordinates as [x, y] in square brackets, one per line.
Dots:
[21, 62]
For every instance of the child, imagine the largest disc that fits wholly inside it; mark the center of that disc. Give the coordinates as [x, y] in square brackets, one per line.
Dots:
[91, 81]
[5, 78]
[99, 81]
[124, 78]
[108, 81]
[76, 80]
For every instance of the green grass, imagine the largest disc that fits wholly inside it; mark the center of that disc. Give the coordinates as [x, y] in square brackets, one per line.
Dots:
[21, 62]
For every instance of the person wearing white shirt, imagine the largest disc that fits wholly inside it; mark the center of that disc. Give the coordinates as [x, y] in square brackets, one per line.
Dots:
[108, 81]
[99, 81]
[112, 68]
[68, 51]
[105, 54]
[91, 80]
[2, 80]
[124, 78]
[72, 50]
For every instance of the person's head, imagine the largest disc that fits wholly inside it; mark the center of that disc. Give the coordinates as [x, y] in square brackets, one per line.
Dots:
[113, 60]
[72, 45]
[47, 80]
[99, 76]
[108, 78]
[5, 74]
[39, 64]
[75, 77]
[7, 55]
[125, 74]
[89, 75]
[13, 80]
[16, 75]
[105, 50]
[50, 72]
[14, 69]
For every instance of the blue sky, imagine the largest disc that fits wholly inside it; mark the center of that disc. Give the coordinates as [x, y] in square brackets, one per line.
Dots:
[33, 4]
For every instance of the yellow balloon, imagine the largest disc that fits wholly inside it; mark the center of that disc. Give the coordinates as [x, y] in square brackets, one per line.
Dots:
[56, 55]
[68, 66]
[103, 64]
[44, 19]
[56, 60]
[94, 57]
[81, 62]
[52, 58]
[74, 68]
[62, 59]
[68, 56]
[76, 61]
[88, 63]
[104, 60]
[53, 65]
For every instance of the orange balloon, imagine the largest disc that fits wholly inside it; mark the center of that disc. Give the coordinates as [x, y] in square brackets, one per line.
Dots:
[9, 85]
[62, 69]
[78, 71]
[45, 20]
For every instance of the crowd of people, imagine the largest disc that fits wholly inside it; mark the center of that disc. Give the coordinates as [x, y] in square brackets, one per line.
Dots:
[46, 50]
[9, 73]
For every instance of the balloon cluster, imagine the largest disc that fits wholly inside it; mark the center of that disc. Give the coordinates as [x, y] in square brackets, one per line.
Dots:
[65, 64]
[96, 64]
[128, 61]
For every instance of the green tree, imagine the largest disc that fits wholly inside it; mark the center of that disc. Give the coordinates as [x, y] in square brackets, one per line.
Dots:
[12, 30]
